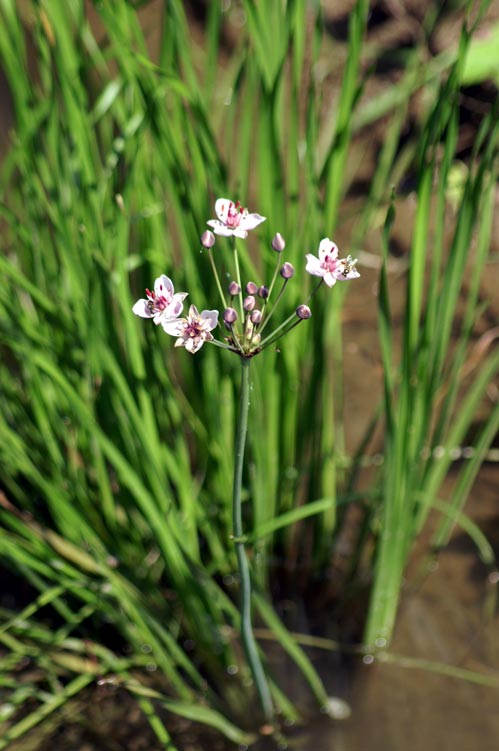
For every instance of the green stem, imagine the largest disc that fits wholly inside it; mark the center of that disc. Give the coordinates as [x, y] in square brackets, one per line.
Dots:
[267, 319]
[217, 278]
[224, 346]
[247, 635]
[238, 276]
[271, 338]
[276, 270]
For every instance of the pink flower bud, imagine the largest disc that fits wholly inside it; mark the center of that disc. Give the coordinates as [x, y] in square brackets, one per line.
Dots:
[256, 317]
[287, 270]
[249, 303]
[278, 243]
[234, 289]
[251, 288]
[303, 312]
[230, 315]
[263, 292]
[207, 239]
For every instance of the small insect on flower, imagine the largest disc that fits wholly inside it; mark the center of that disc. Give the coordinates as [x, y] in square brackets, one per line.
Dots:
[193, 331]
[233, 219]
[327, 265]
[162, 304]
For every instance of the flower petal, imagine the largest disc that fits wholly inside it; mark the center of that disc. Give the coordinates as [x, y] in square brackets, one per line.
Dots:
[222, 206]
[313, 265]
[173, 326]
[330, 279]
[211, 319]
[219, 228]
[342, 276]
[142, 309]
[193, 343]
[163, 287]
[174, 309]
[327, 248]
[250, 221]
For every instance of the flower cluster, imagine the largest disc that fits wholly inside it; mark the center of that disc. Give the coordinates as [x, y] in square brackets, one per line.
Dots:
[164, 306]
[246, 314]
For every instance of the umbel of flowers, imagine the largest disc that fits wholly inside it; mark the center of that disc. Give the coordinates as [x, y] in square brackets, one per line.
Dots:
[242, 330]
[246, 312]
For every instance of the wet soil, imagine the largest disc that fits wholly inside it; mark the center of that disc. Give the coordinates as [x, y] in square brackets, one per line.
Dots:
[447, 614]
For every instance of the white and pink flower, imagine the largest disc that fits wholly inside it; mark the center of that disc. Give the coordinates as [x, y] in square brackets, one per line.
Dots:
[162, 304]
[327, 265]
[233, 219]
[193, 331]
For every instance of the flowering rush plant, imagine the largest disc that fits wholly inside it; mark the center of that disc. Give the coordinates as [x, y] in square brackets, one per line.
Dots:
[245, 313]
[242, 330]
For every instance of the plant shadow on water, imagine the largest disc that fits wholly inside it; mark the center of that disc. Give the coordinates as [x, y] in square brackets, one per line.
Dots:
[447, 614]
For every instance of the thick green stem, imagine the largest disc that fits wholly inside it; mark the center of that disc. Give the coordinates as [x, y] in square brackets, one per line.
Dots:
[247, 635]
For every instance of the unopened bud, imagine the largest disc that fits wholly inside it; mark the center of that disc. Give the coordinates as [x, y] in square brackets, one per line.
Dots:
[251, 288]
[249, 303]
[256, 317]
[234, 288]
[207, 239]
[303, 312]
[287, 270]
[263, 292]
[278, 243]
[230, 315]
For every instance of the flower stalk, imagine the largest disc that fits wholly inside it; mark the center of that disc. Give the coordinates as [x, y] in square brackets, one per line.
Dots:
[238, 276]
[247, 635]
[217, 278]
[245, 326]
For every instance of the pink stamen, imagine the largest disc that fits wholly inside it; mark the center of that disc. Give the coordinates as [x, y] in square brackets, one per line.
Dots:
[330, 263]
[161, 303]
[156, 302]
[234, 214]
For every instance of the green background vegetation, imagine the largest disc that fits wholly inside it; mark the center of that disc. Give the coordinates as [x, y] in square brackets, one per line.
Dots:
[116, 450]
